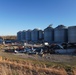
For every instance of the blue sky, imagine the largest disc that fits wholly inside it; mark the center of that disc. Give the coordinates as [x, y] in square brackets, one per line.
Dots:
[16, 15]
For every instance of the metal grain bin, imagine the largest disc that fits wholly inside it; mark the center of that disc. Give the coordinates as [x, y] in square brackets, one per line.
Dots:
[72, 34]
[1, 40]
[60, 34]
[28, 35]
[35, 35]
[23, 35]
[48, 34]
[40, 35]
[19, 35]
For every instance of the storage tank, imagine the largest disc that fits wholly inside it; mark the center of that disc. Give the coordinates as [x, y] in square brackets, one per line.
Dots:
[1, 40]
[35, 35]
[40, 35]
[60, 34]
[49, 34]
[28, 35]
[23, 35]
[72, 34]
[19, 35]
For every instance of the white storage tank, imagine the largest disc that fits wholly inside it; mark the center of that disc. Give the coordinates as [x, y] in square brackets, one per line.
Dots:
[35, 35]
[49, 34]
[72, 34]
[60, 34]
[28, 35]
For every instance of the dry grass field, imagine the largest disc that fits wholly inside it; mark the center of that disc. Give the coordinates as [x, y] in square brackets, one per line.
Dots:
[16, 64]
[31, 67]
[19, 67]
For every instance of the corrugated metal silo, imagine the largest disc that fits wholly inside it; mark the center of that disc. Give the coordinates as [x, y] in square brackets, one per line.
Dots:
[60, 34]
[72, 34]
[49, 34]
[28, 35]
[40, 35]
[23, 35]
[35, 35]
[19, 35]
[1, 40]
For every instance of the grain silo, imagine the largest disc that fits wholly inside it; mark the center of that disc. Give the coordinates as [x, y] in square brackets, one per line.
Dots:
[23, 35]
[41, 35]
[28, 35]
[35, 35]
[72, 34]
[49, 34]
[1, 40]
[60, 34]
[19, 35]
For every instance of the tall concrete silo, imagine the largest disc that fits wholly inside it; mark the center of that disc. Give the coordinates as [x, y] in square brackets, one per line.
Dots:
[72, 34]
[35, 35]
[23, 35]
[60, 34]
[28, 35]
[19, 35]
[49, 34]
